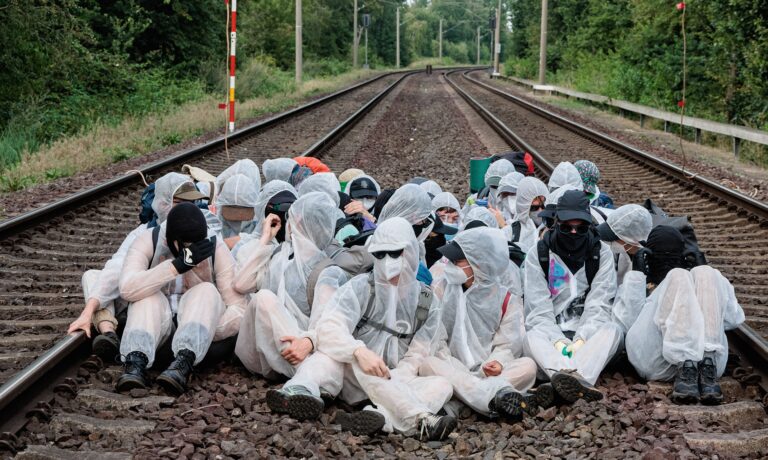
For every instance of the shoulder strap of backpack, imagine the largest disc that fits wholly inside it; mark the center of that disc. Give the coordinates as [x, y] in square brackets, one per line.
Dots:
[422, 312]
[155, 237]
[368, 308]
[516, 229]
[314, 275]
[505, 304]
[592, 264]
[602, 214]
[543, 249]
[422, 307]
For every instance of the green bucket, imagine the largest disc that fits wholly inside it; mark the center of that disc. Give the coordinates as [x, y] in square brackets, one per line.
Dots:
[477, 169]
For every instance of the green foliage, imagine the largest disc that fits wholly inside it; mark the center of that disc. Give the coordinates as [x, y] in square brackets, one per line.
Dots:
[259, 78]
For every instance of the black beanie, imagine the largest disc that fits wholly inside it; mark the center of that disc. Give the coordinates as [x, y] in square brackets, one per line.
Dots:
[667, 246]
[186, 224]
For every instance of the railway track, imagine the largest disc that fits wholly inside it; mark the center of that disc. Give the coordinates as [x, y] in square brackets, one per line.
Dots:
[223, 401]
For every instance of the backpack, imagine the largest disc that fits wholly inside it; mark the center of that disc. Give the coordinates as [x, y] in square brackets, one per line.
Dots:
[422, 313]
[692, 254]
[591, 265]
[353, 260]
[146, 213]
[522, 161]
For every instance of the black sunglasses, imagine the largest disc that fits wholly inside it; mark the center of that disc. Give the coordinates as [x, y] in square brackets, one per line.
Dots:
[537, 207]
[393, 254]
[279, 207]
[581, 229]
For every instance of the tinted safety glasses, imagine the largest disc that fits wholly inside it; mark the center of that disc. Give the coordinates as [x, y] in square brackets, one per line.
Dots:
[393, 254]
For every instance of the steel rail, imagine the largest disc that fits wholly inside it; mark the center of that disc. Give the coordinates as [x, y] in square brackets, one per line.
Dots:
[750, 344]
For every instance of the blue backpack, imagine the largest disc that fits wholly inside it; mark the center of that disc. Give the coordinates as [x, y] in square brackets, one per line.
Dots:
[146, 213]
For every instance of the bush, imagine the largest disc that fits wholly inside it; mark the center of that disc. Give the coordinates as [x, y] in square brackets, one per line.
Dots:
[325, 67]
[260, 78]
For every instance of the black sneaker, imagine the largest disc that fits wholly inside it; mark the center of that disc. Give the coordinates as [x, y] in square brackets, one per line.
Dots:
[571, 387]
[709, 388]
[296, 401]
[544, 395]
[436, 427]
[365, 422]
[686, 387]
[107, 347]
[135, 375]
[510, 403]
[175, 378]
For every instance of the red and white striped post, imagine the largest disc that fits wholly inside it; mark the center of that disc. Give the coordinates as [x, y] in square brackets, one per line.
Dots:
[232, 43]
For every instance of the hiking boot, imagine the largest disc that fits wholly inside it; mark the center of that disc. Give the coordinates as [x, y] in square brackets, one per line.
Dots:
[436, 427]
[296, 401]
[174, 379]
[571, 386]
[544, 395]
[107, 347]
[365, 422]
[686, 387]
[135, 375]
[709, 388]
[510, 403]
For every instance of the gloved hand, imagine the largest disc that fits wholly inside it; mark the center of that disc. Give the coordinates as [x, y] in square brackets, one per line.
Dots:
[562, 347]
[574, 347]
[193, 255]
[641, 260]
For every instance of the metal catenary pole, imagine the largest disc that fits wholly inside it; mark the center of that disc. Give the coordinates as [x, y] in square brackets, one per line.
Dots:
[497, 50]
[354, 37]
[232, 43]
[478, 45]
[299, 44]
[543, 44]
[397, 39]
[441, 41]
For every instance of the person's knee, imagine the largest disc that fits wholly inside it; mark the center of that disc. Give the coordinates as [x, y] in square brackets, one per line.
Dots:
[428, 366]
[704, 274]
[205, 288]
[442, 387]
[527, 365]
[678, 275]
[265, 302]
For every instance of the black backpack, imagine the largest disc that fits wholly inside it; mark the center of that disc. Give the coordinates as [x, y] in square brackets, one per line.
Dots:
[522, 161]
[692, 254]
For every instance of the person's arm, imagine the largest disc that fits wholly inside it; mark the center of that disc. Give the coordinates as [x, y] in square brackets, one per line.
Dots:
[539, 309]
[136, 280]
[229, 323]
[337, 324]
[508, 340]
[328, 283]
[254, 258]
[108, 287]
[599, 301]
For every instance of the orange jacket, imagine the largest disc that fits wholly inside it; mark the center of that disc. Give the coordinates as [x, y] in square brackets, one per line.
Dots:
[314, 164]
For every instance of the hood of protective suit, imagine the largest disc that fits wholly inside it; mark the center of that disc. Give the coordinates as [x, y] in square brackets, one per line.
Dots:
[322, 182]
[527, 190]
[499, 169]
[270, 190]
[565, 173]
[472, 317]
[245, 167]
[480, 213]
[445, 200]
[431, 187]
[238, 190]
[632, 223]
[410, 202]
[165, 187]
[278, 169]
[509, 182]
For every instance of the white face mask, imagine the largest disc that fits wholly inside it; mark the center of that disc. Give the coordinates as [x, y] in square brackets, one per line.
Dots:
[368, 202]
[537, 220]
[509, 204]
[454, 274]
[392, 267]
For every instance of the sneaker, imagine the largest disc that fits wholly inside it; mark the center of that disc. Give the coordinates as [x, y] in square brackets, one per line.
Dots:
[107, 347]
[544, 395]
[436, 427]
[296, 401]
[512, 404]
[709, 388]
[686, 387]
[571, 386]
[365, 422]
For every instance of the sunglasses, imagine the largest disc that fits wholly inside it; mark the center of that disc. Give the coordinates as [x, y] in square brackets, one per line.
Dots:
[537, 207]
[279, 207]
[393, 254]
[580, 229]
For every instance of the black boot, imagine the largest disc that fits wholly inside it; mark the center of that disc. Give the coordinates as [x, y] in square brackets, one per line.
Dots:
[544, 395]
[571, 386]
[135, 375]
[174, 379]
[686, 387]
[709, 388]
[508, 402]
[107, 347]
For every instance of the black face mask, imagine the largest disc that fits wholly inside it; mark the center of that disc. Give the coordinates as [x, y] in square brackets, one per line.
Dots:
[431, 244]
[571, 247]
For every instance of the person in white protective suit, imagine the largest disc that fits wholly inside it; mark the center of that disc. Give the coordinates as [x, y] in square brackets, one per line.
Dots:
[447, 208]
[413, 204]
[278, 169]
[507, 195]
[680, 331]
[431, 187]
[178, 269]
[373, 336]
[245, 167]
[275, 197]
[101, 287]
[235, 207]
[565, 173]
[482, 329]
[493, 175]
[569, 286]
[322, 182]
[278, 328]
[530, 201]
[363, 191]
[478, 216]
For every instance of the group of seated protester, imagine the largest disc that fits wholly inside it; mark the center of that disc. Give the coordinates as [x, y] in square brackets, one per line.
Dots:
[408, 303]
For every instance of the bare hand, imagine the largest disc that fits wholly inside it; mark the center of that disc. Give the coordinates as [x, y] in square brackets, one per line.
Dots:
[297, 350]
[498, 215]
[82, 323]
[355, 207]
[271, 225]
[492, 369]
[232, 241]
[371, 363]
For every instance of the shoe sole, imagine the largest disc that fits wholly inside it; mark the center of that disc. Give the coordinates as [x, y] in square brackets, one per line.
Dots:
[128, 383]
[683, 398]
[447, 429]
[170, 385]
[570, 389]
[105, 349]
[711, 399]
[514, 405]
[300, 407]
[545, 396]
[361, 423]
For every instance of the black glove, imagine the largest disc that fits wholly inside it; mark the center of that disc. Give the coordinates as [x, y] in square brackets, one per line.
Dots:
[641, 259]
[193, 255]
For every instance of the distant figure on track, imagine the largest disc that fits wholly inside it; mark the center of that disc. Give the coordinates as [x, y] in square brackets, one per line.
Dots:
[180, 269]
[569, 286]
